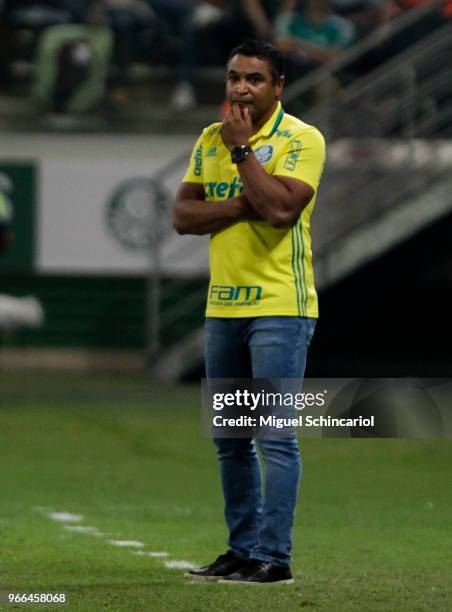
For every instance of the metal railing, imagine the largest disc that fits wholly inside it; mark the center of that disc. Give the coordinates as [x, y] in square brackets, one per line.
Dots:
[382, 132]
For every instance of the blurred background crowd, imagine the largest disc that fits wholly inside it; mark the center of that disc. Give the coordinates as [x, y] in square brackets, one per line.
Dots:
[100, 102]
[82, 53]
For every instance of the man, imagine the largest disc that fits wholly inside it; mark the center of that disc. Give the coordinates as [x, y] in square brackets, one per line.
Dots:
[252, 185]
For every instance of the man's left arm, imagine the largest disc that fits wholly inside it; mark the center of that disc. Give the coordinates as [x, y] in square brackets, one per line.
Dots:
[279, 198]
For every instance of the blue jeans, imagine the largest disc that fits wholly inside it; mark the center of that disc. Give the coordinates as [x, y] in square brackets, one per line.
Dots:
[259, 521]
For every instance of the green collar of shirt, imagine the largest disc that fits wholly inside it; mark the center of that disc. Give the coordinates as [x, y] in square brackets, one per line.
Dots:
[270, 127]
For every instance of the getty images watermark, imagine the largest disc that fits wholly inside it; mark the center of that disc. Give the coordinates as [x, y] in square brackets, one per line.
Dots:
[413, 408]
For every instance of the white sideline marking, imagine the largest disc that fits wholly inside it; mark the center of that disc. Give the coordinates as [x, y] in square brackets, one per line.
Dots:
[82, 529]
[179, 564]
[145, 553]
[65, 517]
[131, 543]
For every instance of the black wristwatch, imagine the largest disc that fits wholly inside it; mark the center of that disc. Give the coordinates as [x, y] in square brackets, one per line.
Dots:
[240, 153]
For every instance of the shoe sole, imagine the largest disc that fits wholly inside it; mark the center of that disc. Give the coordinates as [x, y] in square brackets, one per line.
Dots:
[203, 578]
[223, 581]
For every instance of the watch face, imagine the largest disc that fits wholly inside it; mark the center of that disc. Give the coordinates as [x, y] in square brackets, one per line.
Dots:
[240, 153]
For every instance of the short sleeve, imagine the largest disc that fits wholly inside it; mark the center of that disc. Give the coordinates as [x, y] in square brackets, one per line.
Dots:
[303, 158]
[195, 168]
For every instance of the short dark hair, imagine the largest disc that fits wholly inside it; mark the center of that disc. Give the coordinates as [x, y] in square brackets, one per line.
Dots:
[262, 50]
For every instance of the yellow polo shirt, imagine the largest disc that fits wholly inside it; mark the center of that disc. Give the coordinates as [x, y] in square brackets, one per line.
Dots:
[258, 270]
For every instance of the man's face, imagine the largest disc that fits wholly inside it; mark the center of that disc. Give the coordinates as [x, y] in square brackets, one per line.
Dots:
[249, 83]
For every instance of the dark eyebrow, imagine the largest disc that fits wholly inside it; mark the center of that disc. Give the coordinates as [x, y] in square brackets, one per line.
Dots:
[248, 74]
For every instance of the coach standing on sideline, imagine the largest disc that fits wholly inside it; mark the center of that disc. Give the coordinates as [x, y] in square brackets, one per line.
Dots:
[252, 184]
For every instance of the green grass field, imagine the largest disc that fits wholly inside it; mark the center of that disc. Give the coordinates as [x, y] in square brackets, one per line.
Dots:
[373, 528]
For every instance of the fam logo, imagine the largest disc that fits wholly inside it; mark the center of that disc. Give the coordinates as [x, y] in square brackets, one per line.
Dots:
[237, 296]
[137, 213]
[264, 154]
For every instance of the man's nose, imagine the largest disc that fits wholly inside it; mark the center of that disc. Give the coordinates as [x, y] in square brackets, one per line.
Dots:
[242, 86]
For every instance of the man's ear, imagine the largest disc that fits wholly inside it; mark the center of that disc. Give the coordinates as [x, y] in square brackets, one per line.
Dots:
[279, 86]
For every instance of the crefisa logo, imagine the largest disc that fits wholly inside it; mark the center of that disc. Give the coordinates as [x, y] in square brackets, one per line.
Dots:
[264, 154]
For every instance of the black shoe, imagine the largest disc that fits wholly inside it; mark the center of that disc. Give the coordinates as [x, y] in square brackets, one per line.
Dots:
[223, 566]
[260, 572]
